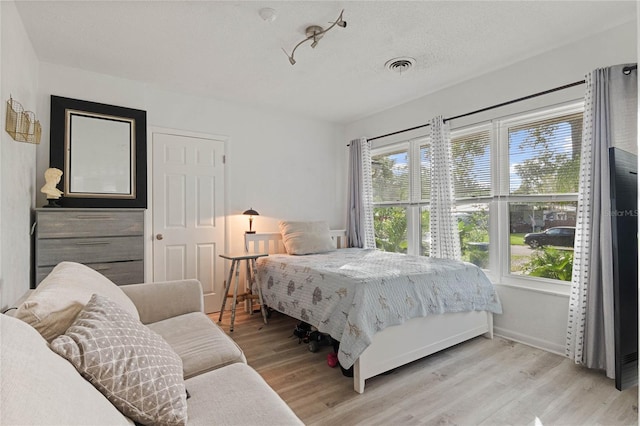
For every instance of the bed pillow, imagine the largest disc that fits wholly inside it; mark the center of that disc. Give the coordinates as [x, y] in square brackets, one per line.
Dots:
[131, 365]
[306, 237]
[54, 304]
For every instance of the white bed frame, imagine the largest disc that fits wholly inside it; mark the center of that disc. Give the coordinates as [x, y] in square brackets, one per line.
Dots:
[397, 345]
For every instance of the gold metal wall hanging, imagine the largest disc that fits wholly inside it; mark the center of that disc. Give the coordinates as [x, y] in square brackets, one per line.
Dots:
[22, 125]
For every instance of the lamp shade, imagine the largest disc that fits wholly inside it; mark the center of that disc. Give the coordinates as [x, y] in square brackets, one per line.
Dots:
[251, 213]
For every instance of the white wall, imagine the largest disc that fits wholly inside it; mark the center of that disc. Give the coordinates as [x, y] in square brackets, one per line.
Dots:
[283, 166]
[539, 319]
[19, 79]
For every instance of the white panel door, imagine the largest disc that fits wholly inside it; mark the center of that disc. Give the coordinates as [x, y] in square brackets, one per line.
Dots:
[188, 212]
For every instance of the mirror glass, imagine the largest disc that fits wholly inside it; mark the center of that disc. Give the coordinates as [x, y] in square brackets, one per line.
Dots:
[102, 152]
[101, 155]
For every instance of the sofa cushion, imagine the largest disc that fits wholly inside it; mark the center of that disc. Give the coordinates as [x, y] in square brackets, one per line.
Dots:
[236, 395]
[130, 364]
[54, 304]
[202, 345]
[33, 377]
[157, 301]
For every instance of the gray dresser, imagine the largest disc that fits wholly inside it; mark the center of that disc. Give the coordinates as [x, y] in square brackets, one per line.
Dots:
[110, 241]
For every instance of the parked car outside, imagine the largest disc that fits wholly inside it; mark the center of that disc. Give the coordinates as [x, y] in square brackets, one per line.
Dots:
[562, 236]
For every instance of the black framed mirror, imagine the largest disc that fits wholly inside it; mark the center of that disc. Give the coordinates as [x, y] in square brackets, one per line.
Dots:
[102, 152]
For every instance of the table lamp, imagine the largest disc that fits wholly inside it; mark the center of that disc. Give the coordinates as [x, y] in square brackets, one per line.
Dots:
[251, 213]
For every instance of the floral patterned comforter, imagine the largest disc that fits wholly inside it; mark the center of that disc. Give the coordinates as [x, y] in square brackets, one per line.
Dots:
[353, 293]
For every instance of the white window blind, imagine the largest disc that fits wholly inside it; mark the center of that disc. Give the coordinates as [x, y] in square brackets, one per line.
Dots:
[425, 173]
[472, 165]
[390, 177]
[544, 156]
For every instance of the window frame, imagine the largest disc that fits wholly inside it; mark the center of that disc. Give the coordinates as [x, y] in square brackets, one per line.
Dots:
[503, 198]
[414, 204]
[499, 199]
[488, 199]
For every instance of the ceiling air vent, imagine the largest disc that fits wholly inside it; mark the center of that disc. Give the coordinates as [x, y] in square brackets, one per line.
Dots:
[400, 65]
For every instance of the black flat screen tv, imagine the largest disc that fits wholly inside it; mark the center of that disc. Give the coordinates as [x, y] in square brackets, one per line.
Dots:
[624, 226]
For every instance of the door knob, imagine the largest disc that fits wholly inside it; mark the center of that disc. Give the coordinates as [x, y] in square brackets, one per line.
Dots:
[159, 237]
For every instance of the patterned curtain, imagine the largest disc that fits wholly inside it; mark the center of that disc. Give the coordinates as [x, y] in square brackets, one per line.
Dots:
[610, 107]
[445, 241]
[360, 232]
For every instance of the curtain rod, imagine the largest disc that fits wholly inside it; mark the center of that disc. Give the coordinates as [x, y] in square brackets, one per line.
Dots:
[626, 71]
[513, 101]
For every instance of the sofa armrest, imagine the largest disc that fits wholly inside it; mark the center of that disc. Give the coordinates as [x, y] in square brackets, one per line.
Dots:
[157, 301]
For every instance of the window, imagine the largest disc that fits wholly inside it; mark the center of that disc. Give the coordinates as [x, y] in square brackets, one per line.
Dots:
[471, 153]
[390, 179]
[516, 183]
[541, 192]
[401, 188]
[390, 224]
[544, 155]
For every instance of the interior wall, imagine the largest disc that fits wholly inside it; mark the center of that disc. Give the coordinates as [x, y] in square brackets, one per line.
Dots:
[283, 166]
[19, 79]
[536, 318]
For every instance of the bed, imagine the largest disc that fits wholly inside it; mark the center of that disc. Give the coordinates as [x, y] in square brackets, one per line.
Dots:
[380, 313]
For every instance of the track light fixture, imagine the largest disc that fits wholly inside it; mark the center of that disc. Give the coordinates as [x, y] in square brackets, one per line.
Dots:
[315, 33]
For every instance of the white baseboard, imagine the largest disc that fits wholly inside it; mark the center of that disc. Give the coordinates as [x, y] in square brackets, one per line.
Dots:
[545, 345]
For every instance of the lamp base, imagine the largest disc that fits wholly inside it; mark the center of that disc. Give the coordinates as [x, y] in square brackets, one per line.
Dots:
[249, 232]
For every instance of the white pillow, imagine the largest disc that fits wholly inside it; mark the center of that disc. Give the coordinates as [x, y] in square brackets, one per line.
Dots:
[306, 237]
[58, 299]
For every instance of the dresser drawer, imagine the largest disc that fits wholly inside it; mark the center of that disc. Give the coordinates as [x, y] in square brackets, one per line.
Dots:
[118, 272]
[89, 250]
[110, 241]
[78, 223]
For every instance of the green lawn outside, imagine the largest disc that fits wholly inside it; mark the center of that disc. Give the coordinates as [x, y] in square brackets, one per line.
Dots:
[516, 239]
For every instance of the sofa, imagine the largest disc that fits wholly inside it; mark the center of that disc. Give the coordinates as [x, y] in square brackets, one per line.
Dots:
[79, 350]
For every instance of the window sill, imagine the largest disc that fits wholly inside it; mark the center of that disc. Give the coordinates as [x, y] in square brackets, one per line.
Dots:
[539, 286]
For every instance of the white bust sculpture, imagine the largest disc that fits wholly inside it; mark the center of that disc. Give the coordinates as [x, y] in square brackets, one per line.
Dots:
[52, 177]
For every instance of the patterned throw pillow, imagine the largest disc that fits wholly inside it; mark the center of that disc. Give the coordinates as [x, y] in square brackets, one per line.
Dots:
[131, 365]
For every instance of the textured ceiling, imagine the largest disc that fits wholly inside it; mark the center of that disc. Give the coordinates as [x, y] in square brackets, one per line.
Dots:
[224, 50]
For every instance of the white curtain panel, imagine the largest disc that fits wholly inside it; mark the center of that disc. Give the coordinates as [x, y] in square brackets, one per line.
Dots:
[360, 232]
[609, 120]
[445, 241]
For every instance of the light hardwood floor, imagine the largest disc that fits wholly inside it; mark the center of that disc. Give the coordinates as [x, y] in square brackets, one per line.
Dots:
[479, 382]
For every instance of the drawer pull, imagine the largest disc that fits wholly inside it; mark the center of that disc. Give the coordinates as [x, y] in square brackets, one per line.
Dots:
[94, 217]
[93, 243]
